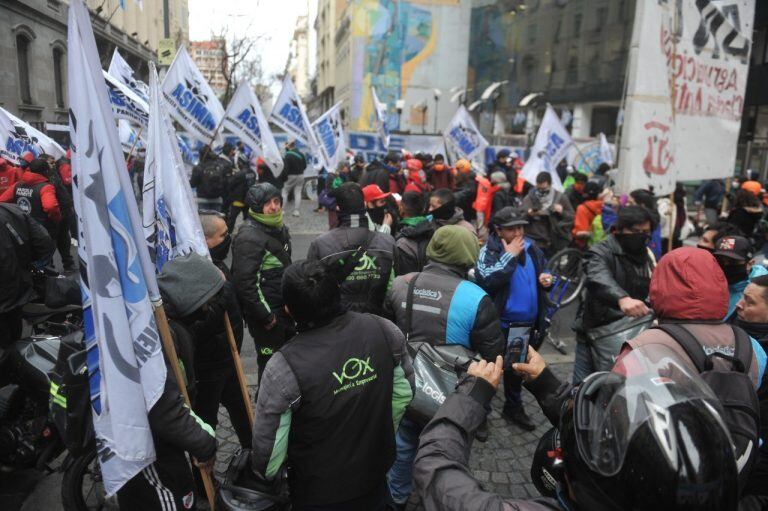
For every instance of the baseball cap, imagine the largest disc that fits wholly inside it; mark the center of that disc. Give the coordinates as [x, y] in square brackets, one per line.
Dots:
[735, 247]
[373, 192]
[509, 217]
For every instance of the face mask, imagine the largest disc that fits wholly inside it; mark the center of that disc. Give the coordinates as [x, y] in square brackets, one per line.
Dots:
[444, 212]
[734, 274]
[756, 330]
[633, 244]
[541, 193]
[377, 214]
[708, 249]
[579, 187]
[220, 251]
[438, 167]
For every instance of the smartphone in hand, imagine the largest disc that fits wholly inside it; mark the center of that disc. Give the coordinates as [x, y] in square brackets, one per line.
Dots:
[517, 345]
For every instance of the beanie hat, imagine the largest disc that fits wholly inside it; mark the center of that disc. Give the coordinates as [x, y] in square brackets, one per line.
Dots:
[189, 281]
[349, 198]
[260, 194]
[453, 245]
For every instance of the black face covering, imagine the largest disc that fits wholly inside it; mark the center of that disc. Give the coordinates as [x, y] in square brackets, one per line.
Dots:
[377, 214]
[444, 212]
[220, 251]
[734, 274]
[633, 244]
[708, 249]
[757, 331]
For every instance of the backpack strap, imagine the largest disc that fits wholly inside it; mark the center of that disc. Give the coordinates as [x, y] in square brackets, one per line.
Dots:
[409, 306]
[690, 345]
[743, 348]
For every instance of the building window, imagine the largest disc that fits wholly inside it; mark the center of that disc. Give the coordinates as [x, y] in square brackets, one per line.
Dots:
[58, 78]
[601, 18]
[572, 74]
[576, 24]
[22, 57]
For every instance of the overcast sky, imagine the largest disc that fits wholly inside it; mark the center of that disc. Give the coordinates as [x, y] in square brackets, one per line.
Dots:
[274, 18]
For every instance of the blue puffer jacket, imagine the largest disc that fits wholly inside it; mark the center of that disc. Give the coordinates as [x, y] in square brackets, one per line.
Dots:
[494, 272]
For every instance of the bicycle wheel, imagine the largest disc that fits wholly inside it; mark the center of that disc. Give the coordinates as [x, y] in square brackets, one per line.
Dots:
[566, 269]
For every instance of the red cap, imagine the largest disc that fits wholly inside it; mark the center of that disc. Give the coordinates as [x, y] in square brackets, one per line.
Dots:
[414, 164]
[373, 192]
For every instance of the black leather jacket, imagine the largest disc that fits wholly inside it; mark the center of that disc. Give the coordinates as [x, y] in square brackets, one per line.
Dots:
[610, 275]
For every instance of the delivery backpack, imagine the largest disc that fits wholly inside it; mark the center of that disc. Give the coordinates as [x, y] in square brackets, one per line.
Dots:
[733, 388]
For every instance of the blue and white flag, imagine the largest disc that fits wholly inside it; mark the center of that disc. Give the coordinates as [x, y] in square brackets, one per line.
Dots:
[245, 119]
[462, 138]
[130, 140]
[19, 137]
[551, 145]
[171, 224]
[331, 141]
[289, 114]
[381, 118]
[125, 103]
[125, 360]
[123, 72]
[191, 101]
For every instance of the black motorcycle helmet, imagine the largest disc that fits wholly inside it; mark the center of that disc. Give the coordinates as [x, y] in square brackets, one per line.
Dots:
[260, 194]
[242, 490]
[647, 436]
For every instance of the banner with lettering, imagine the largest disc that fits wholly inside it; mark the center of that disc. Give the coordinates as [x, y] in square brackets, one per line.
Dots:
[191, 101]
[329, 134]
[551, 145]
[245, 119]
[462, 138]
[685, 96]
[289, 114]
[381, 118]
[123, 72]
[125, 103]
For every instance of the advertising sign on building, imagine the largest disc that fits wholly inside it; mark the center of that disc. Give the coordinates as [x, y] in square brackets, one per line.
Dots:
[687, 77]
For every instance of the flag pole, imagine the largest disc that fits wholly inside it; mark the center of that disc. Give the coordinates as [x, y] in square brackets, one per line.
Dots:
[133, 146]
[173, 359]
[239, 369]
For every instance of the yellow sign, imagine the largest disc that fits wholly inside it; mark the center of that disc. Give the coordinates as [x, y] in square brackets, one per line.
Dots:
[166, 50]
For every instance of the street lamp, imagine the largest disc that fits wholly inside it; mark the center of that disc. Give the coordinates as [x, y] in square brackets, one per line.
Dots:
[438, 93]
[399, 106]
[493, 93]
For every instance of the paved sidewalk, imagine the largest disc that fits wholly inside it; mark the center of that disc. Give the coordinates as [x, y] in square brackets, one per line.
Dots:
[502, 464]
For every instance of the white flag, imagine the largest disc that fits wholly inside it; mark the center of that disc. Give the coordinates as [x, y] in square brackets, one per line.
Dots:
[606, 153]
[329, 133]
[129, 139]
[191, 101]
[125, 360]
[462, 138]
[289, 114]
[122, 71]
[246, 120]
[171, 224]
[551, 145]
[381, 118]
[126, 104]
[27, 138]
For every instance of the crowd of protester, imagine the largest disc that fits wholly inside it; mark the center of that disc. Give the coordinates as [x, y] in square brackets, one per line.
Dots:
[422, 257]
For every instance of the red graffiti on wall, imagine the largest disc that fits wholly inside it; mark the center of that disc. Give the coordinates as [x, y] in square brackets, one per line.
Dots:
[658, 157]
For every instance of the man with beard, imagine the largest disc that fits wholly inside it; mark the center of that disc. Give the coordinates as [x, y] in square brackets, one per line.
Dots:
[550, 215]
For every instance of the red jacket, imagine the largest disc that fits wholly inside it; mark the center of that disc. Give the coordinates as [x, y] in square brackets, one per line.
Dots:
[47, 194]
[8, 175]
[65, 171]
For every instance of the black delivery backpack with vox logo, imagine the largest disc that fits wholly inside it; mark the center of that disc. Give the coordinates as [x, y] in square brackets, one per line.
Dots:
[436, 368]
